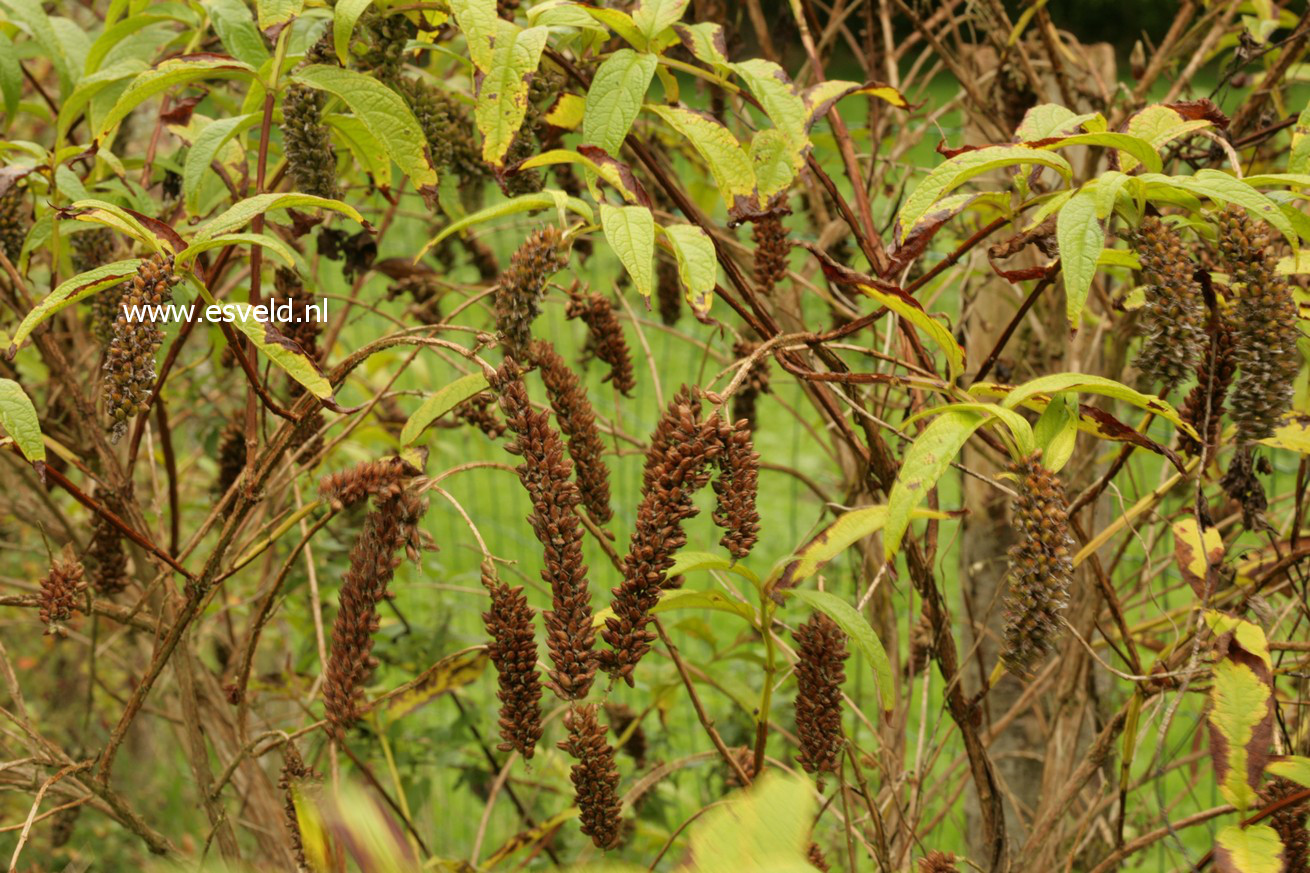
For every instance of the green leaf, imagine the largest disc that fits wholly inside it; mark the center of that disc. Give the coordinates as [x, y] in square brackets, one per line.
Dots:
[477, 20]
[1085, 383]
[72, 290]
[692, 561]
[615, 98]
[925, 462]
[275, 12]
[1081, 239]
[698, 267]
[1223, 188]
[522, 203]
[1239, 705]
[33, 18]
[857, 628]
[203, 151]
[686, 598]
[273, 244]
[1253, 849]
[116, 218]
[1159, 125]
[781, 102]
[370, 153]
[849, 528]
[621, 23]
[18, 418]
[1016, 423]
[1049, 119]
[1298, 161]
[384, 113]
[344, 16]
[441, 402]
[11, 77]
[168, 74]
[772, 162]
[630, 231]
[503, 94]
[1139, 148]
[963, 167]
[763, 828]
[236, 29]
[89, 86]
[652, 16]
[1056, 431]
[719, 149]
[612, 171]
[285, 353]
[240, 214]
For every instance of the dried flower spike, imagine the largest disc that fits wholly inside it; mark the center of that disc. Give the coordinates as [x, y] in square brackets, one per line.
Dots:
[130, 359]
[389, 528]
[231, 456]
[61, 590]
[546, 476]
[1265, 328]
[1174, 315]
[518, 297]
[595, 776]
[771, 250]
[513, 651]
[668, 291]
[91, 249]
[1289, 822]
[477, 411]
[1203, 408]
[605, 338]
[307, 143]
[820, 655]
[15, 216]
[381, 480]
[938, 862]
[107, 557]
[1040, 569]
[677, 466]
[577, 421]
[736, 488]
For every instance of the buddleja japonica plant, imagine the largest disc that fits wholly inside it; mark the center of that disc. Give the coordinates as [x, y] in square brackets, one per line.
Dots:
[805, 497]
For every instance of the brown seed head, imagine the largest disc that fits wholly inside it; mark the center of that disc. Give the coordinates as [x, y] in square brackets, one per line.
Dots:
[820, 655]
[595, 777]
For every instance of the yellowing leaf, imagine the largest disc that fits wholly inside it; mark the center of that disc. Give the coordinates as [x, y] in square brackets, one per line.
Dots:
[285, 353]
[1198, 554]
[776, 94]
[1294, 767]
[1085, 383]
[478, 21]
[441, 402]
[1253, 849]
[1239, 707]
[848, 529]
[503, 94]
[630, 231]
[765, 827]
[698, 267]
[687, 598]
[568, 111]
[448, 674]
[167, 74]
[1292, 434]
[344, 16]
[241, 214]
[522, 203]
[652, 16]
[719, 149]
[70, 291]
[1049, 119]
[275, 12]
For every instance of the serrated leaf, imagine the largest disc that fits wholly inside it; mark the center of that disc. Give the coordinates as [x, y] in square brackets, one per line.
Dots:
[1293, 767]
[615, 98]
[477, 20]
[441, 402]
[236, 30]
[1085, 383]
[1253, 849]
[18, 418]
[772, 162]
[274, 12]
[687, 598]
[698, 267]
[652, 16]
[33, 18]
[1198, 554]
[927, 459]
[286, 353]
[716, 145]
[1047, 120]
[448, 674]
[203, 151]
[169, 74]
[630, 231]
[1239, 725]
[1081, 239]
[240, 214]
[616, 173]
[384, 113]
[957, 170]
[344, 16]
[522, 203]
[857, 628]
[71, 291]
[1223, 188]
[781, 102]
[1159, 125]
[502, 99]
[272, 243]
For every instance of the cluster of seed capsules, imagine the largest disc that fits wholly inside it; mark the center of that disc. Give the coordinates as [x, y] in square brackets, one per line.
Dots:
[130, 358]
